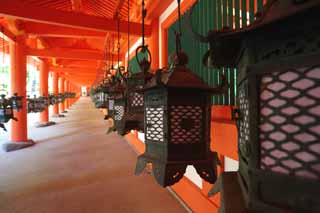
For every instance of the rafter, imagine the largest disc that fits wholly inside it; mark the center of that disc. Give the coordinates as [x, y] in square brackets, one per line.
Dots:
[48, 30]
[76, 5]
[68, 53]
[23, 11]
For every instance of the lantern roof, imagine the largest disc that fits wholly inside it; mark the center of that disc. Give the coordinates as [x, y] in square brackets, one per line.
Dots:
[226, 43]
[179, 76]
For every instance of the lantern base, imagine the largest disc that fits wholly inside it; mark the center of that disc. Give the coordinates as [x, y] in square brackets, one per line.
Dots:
[58, 116]
[165, 173]
[13, 146]
[45, 124]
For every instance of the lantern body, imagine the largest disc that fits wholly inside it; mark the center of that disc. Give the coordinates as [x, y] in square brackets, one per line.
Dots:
[6, 111]
[279, 126]
[134, 116]
[279, 113]
[177, 127]
[53, 99]
[119, 112]
[16, 102]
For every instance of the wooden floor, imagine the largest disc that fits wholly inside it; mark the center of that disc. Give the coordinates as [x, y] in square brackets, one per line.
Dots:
[76, 168]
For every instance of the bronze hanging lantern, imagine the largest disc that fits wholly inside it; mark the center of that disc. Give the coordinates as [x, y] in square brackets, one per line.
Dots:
[30, 104]
[134, 114]
[177, 123]
[61, 98]
[53, 99]
[279, 109]
[6, 111]
[16, 102]
[119, 92]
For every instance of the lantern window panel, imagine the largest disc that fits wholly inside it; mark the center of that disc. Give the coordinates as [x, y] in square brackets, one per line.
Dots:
[289, 132]
[111, 104]
[186, 124]
[119, 109]
[154, 117]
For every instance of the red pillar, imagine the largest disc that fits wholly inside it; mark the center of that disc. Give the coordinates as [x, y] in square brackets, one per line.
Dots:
[66, 89]
[19, 129]
[44, 75]
[56, 92]
[61, 90]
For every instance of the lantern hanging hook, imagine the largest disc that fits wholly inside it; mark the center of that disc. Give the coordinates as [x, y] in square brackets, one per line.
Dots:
[145, 62]
[180, 58]
[196, 35]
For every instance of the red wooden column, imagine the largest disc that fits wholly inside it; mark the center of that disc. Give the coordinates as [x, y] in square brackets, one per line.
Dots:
[55, 92]
[44, 84]
[44, 75]
[19, 129]
[61, 90]
[66, 89]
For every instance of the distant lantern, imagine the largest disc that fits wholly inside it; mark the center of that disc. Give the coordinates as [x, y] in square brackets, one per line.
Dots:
[134, 116]
[53, 99]
[16, 101]
[279, 109]
[177, 114]
[6, 110]
[117, 91]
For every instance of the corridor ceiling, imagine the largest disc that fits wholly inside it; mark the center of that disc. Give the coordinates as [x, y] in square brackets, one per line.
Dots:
[73, 34]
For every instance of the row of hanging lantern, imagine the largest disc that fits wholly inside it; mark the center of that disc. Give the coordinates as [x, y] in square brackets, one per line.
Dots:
[7, 107]
[39, 104]
[172, 108]
[177, 114]
[278, 115]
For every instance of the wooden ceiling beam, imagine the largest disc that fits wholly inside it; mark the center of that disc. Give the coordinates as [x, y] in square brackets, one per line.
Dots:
[20, 10]
[48, 30]
[68, 53]
[76, 5]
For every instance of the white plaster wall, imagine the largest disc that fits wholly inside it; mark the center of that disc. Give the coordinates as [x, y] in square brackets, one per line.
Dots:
[230, 165]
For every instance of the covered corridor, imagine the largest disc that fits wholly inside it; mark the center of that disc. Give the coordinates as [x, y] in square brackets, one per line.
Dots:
[76, 168]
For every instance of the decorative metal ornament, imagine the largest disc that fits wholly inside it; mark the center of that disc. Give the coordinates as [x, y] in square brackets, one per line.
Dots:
[279, 109]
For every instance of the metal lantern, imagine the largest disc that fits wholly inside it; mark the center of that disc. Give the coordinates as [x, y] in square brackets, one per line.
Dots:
[30, 104]
[134, 114]
[43, 102]
[279, 109]
[53, 99]
[6, 110]
[119, 106]
[61, 98]
[177, 105]
[101, 97]
[16, 101]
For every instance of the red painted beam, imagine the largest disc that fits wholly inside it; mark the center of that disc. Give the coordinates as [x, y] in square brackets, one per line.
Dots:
[68, 53]
[21, 10]
[48, 30]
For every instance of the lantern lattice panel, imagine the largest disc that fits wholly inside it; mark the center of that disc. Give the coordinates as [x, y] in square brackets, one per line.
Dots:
[244, 129]
[136, 99]
[119, 113]
[186, 124]
[154, 123]
[111, 104]
[289, 122]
